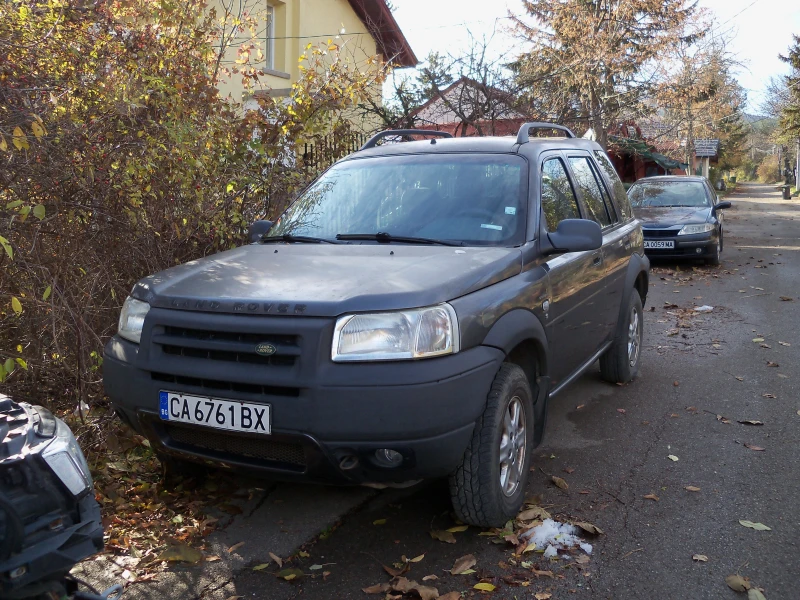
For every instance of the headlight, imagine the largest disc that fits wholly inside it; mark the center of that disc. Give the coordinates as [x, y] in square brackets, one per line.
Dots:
[698, 228]
[65, 458]
[131, 319]
[407, 334]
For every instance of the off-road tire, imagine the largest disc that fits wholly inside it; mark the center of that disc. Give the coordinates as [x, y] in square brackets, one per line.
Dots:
[615, 362]
[475, 484]
[714, 258]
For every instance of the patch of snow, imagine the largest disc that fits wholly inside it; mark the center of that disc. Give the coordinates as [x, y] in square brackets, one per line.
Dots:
[555, 536]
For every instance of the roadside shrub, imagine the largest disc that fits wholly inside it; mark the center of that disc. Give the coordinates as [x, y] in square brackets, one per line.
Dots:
[768, 169]
[118, 158]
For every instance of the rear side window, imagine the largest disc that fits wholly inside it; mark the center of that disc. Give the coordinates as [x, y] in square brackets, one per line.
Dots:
[590, 190]
[620, 197]
[558, 198]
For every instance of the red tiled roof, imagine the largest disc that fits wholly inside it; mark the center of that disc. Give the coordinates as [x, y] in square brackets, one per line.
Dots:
[380, 22]
[435, 110]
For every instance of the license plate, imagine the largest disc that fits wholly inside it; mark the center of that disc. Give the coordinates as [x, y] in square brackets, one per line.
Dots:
[230, 415]
[659, 244]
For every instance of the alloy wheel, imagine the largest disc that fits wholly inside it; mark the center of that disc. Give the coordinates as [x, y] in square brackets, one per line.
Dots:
[513, 441]
[633, 337]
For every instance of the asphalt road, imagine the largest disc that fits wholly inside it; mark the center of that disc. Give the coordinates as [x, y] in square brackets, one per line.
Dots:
[701, 374]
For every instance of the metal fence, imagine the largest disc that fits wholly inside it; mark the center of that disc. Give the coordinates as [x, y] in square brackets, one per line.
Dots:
[319, 156]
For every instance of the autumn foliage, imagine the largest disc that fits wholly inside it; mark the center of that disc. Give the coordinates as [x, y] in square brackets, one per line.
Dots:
[118, 158]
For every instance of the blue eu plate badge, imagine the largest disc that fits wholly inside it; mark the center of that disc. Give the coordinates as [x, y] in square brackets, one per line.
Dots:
[164, 397]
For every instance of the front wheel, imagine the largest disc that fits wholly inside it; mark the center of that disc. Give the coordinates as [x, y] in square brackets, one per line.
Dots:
[714, 257]
[620, 363]
[488, 487]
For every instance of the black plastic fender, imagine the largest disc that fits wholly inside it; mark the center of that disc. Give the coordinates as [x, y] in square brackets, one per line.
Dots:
[508, 332]
[639, 264]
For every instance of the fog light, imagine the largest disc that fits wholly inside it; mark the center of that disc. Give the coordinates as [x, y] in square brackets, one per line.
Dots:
[18, 572]
[699, 250]
[388, 458]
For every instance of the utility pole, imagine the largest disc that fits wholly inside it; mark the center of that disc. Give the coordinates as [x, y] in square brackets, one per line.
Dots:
[689, 138]
[797, 166]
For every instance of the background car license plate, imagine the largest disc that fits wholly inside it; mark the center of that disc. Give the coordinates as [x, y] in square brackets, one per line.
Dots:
[659, 244]
[215, 412]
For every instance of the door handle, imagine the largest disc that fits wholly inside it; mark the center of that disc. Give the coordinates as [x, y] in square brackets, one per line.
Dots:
[598, 260]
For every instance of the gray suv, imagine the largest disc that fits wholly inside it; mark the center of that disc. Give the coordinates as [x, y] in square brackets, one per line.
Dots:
[409, 316]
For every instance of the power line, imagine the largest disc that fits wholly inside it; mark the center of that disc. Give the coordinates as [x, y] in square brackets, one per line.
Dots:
[740, 12]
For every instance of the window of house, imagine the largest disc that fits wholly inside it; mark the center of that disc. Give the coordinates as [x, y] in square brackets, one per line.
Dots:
[590, 191]
[558, 197]
[269, 51]
[620, 195]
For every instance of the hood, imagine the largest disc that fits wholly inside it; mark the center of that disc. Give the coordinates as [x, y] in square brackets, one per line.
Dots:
[327, 279]
[667, 216]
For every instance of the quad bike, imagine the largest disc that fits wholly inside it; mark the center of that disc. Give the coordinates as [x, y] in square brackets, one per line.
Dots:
[49, 518]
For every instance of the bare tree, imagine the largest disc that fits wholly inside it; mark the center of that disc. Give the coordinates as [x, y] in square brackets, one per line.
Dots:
[699, 97]
[471, 93]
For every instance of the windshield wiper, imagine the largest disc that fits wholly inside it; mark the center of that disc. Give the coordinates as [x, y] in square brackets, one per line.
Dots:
[388, 238]
[303, 239]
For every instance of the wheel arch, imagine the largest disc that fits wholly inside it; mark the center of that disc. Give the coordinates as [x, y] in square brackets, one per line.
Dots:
[638, 278]
[521, 336]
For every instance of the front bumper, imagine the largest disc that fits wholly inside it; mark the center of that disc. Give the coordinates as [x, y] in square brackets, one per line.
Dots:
[699, 245]
[322, 412]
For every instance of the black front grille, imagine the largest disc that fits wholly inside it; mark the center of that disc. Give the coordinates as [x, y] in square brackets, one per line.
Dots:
[238, 444]
[229, 346]
[212, 386]
[658, 233]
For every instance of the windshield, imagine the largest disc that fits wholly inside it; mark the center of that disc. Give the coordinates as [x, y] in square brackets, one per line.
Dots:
[669, 193]
[468, 198]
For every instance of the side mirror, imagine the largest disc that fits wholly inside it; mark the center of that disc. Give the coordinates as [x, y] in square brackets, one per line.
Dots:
[576, 235]
[258, 229]
[722, 205]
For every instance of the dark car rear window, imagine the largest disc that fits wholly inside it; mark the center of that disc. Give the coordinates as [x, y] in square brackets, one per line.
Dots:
[472, 198]
[668, 193]
[620, 195]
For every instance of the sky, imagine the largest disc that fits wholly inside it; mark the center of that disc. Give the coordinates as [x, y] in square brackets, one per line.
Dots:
[763, 29]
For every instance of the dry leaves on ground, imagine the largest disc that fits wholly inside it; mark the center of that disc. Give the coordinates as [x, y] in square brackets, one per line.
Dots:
[443, 536]
[756, 526]
[588, 527]
[464, 565]
[404, 586]
[753, 447]
[737, 583]
[145, 520]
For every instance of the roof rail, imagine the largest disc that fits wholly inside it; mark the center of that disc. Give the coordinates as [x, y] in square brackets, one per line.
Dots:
[524, 134]
[373, 141]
